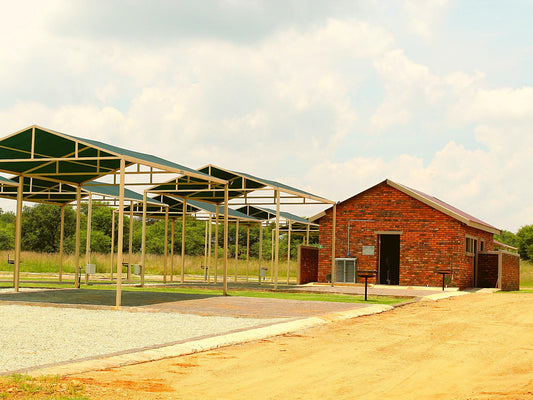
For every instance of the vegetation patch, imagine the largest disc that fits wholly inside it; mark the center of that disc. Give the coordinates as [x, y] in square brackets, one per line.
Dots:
[526, 274]
[340, 298]
[45, 387]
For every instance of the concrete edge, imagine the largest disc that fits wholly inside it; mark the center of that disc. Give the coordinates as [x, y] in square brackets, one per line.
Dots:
[443, 295]
[210, 343]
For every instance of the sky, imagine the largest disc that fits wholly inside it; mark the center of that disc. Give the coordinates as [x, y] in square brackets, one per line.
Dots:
[331, 97]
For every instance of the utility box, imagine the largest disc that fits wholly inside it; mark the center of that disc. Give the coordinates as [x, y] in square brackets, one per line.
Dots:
[90, 269]
[137, 269]
[346, 270]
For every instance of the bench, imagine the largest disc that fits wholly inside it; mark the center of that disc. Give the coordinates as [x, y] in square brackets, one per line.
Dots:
[11, 260]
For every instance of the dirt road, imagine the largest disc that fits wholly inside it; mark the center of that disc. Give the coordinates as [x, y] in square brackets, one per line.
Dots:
[478, 346]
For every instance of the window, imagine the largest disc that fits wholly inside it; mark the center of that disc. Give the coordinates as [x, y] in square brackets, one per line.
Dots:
[481, 245]
[470, 244]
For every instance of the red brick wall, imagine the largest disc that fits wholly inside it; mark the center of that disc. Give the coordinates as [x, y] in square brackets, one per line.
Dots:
[308, 264]
[487, 269]
[510, 271]
[430, 239]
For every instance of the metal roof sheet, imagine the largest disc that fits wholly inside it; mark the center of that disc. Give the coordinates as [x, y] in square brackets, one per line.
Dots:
[239, 184]
[433, 202]
[45, 153]
[441, 206]
[114, 192]
[267, 214]
[8, 182]
[193, 206]
[41, 191]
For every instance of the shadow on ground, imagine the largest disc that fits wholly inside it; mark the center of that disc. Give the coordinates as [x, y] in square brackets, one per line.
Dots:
[98, 297]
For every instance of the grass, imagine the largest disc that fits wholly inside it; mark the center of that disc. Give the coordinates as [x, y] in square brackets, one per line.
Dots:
[49, 263]
[339, 298]
[45, 387]
[526, 274]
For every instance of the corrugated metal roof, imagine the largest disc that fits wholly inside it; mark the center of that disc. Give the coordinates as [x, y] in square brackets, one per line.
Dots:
[114, 191]
[433, 202]
[440, 205]
[211, 209]
[40, 191]
[239, 184]
[148, 158]
[8, 182]
[267, 214]
[507, 246]
[193, 206]
[283, 187]
[30, 151]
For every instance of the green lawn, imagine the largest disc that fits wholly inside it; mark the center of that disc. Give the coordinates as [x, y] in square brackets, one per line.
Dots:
[526, 274]
[268, 294]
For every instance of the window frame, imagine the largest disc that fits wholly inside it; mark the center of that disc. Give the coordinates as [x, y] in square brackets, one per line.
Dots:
[469, 245]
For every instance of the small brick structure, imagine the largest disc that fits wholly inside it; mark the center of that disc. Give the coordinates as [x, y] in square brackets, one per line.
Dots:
[509, 270]
[308, 262]
[406, 236]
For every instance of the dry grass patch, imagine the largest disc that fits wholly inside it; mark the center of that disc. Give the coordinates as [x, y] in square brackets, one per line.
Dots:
[45, 387]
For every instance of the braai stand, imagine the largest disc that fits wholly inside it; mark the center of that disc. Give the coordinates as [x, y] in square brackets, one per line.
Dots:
[444, 272]
[366, 275]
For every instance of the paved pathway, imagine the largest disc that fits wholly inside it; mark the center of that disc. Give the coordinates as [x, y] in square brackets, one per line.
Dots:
[205, 305]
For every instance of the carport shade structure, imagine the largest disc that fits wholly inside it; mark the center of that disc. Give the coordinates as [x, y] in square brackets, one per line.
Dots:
[54, 193]
[294, 223]
[46, 192]
[37, 152]
[240, 187]
[111, 193]
[176, 209]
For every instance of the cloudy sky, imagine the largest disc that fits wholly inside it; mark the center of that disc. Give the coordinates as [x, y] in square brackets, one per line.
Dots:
[329, 96]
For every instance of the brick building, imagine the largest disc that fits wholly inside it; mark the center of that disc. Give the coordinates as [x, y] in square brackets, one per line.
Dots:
[406, 236]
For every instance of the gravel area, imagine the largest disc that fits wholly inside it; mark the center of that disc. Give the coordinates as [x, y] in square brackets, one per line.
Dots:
[32, 336]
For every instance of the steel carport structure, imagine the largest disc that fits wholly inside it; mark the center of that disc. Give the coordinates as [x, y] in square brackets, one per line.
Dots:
[39, 153]
[239, 191]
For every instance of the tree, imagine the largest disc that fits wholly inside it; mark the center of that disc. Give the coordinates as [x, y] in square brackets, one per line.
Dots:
[525, 242]
[7, 230]
[508, 238]
[7, 237]
[7, 217]
[40, 227]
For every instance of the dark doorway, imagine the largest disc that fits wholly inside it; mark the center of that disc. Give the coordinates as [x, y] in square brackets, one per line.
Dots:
[389, 259]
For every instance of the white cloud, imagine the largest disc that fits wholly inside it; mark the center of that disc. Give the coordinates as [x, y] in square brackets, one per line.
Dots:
[410, 88]
[424, 14]
[503, 104]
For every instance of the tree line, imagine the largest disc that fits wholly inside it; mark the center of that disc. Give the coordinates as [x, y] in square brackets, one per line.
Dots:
[41, 226]
[41, 233]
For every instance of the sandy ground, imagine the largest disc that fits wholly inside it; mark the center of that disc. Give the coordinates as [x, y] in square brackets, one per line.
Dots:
[478, 346]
